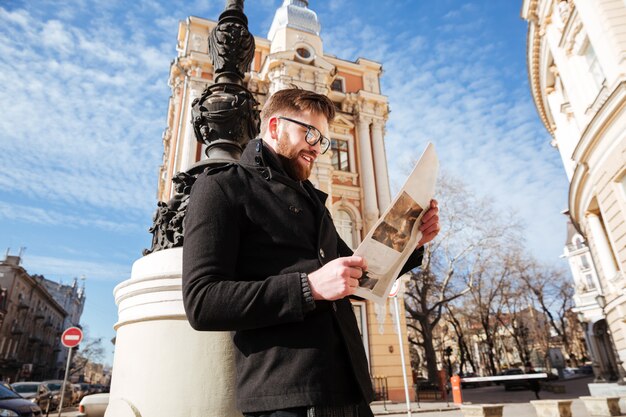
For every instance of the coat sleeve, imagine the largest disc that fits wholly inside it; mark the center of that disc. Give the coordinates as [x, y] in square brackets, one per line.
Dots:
[214, 297]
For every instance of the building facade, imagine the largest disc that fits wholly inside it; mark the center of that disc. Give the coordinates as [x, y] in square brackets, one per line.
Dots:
[31, 328]
[72, 299]
[576, 57]
[353, 173]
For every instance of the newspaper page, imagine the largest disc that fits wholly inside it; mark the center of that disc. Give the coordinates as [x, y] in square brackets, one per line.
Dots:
[393, 238]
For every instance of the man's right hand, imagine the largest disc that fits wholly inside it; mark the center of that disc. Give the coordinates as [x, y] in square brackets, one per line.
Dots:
[338, 278]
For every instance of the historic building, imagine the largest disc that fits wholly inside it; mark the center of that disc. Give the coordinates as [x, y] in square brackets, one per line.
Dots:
[577, 74]
[354, 173]
[72, 299]
[31, 327]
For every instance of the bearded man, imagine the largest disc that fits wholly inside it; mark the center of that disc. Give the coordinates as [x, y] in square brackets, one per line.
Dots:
[263, 259]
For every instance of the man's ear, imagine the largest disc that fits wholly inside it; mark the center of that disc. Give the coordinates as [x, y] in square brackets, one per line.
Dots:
[272, 126]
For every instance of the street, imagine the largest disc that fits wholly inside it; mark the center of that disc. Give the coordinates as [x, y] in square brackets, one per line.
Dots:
[516, 403]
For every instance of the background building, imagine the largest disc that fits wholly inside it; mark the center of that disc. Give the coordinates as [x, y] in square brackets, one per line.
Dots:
[31, 329]
[354, 173]
[72, 299]
[577, 74]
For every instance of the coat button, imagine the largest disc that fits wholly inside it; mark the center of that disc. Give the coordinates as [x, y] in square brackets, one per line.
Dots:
[265, 174]
[294, 209]
[257, 160]
[322, 253]
[258, 146]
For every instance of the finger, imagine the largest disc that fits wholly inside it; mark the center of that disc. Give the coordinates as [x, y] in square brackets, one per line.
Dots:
[434, 203]
[427, 224]
[433, 228]
[356, 273]
[355, 261]
[430, 213]
[353, 283]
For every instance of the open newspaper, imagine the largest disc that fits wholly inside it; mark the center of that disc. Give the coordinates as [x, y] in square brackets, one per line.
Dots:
[394, 237]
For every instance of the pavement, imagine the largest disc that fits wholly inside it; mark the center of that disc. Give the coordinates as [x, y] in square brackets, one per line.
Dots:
[516, 403]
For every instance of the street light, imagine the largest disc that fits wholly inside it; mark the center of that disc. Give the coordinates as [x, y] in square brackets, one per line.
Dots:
[601, 300]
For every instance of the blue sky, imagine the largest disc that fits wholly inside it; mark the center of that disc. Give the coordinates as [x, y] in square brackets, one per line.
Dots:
[84, 94]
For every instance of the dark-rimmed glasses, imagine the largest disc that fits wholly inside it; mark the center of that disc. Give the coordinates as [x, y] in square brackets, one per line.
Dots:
[312, 136]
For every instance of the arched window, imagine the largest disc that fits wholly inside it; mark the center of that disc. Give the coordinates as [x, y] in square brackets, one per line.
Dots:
[345, 228]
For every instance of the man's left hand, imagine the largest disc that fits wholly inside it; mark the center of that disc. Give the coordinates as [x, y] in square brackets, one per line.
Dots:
[430, 226]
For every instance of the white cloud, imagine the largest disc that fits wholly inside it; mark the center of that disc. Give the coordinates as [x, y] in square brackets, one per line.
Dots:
[453, 91]
[46, 265]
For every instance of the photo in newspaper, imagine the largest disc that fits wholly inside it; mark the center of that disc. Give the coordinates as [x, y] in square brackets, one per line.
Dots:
[396, 234]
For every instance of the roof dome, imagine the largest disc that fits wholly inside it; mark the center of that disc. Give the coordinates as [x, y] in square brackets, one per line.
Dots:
[295, 14]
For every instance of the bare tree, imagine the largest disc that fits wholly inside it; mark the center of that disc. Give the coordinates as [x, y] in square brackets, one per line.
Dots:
[90, 351]
[469, 225]
[554, 294]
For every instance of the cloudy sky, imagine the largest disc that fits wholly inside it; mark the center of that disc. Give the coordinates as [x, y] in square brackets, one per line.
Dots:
[84, 94]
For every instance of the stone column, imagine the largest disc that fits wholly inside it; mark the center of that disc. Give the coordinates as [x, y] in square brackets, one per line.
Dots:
[605, 253]
[162, 367]
[380, 163]
[368, 180]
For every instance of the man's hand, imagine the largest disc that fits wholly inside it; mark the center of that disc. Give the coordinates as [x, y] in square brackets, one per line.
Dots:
[338, 278]
[430, 226]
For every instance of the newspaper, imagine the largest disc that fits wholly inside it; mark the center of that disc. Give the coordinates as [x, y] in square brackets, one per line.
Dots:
[394, 237]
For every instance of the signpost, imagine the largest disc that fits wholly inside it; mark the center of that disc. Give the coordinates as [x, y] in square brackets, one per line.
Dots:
[70, 338]
[394, 294]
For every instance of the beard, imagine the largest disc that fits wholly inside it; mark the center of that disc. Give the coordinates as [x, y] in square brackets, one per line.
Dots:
[289, 156]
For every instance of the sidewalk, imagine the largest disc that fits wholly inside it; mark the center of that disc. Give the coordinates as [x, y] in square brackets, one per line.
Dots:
[423, 409]
[516, 403]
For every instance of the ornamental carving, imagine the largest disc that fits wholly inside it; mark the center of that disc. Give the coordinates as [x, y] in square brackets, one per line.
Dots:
[168, 220]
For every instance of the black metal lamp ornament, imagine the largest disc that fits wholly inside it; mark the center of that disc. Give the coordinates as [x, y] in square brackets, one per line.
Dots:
[225, 118]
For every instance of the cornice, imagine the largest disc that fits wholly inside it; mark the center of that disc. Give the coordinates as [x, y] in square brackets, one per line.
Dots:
[592, 134]
[533, 42]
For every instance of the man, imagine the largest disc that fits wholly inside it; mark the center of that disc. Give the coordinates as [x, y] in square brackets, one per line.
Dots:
[263, 259]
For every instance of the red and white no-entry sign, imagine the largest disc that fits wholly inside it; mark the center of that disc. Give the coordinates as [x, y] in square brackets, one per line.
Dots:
[71, 337]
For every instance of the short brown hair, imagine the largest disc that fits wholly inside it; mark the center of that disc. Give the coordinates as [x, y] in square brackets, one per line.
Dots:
[294, 100]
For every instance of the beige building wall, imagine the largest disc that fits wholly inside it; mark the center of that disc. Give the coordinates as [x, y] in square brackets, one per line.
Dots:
[577, 68]
[354, 173]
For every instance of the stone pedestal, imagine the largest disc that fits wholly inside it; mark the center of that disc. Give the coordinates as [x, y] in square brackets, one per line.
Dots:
[162, 367]
[608, 389]
[482, 410]
[602, 406]
[553, 408]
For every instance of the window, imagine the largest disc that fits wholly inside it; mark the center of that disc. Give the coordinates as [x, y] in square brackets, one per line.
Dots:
[584, 262]
[345, 228]
[589, 282]
[340, 159]
[594, 66]
[358, 307]
[337, 85]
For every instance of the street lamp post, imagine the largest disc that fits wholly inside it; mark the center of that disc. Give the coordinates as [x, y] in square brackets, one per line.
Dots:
[157, 351]
[601, 300]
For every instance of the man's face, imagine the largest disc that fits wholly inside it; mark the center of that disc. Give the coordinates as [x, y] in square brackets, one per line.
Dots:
[295, 153]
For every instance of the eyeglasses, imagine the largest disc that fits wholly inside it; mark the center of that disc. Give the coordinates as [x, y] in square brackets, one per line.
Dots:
[312, 136]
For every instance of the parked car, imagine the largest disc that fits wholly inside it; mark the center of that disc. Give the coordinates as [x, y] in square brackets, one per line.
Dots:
[55, 389]
[93, 405]
[585, 370]
[12, 404]
[37, 392]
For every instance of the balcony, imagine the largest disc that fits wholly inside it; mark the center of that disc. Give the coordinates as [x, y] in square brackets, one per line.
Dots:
[22, 305]
[16, 330]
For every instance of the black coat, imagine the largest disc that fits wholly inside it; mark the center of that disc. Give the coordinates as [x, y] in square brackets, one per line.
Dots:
[250, 231]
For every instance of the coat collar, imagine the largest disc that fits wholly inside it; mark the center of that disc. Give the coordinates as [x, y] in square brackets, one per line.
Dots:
[257, 156]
